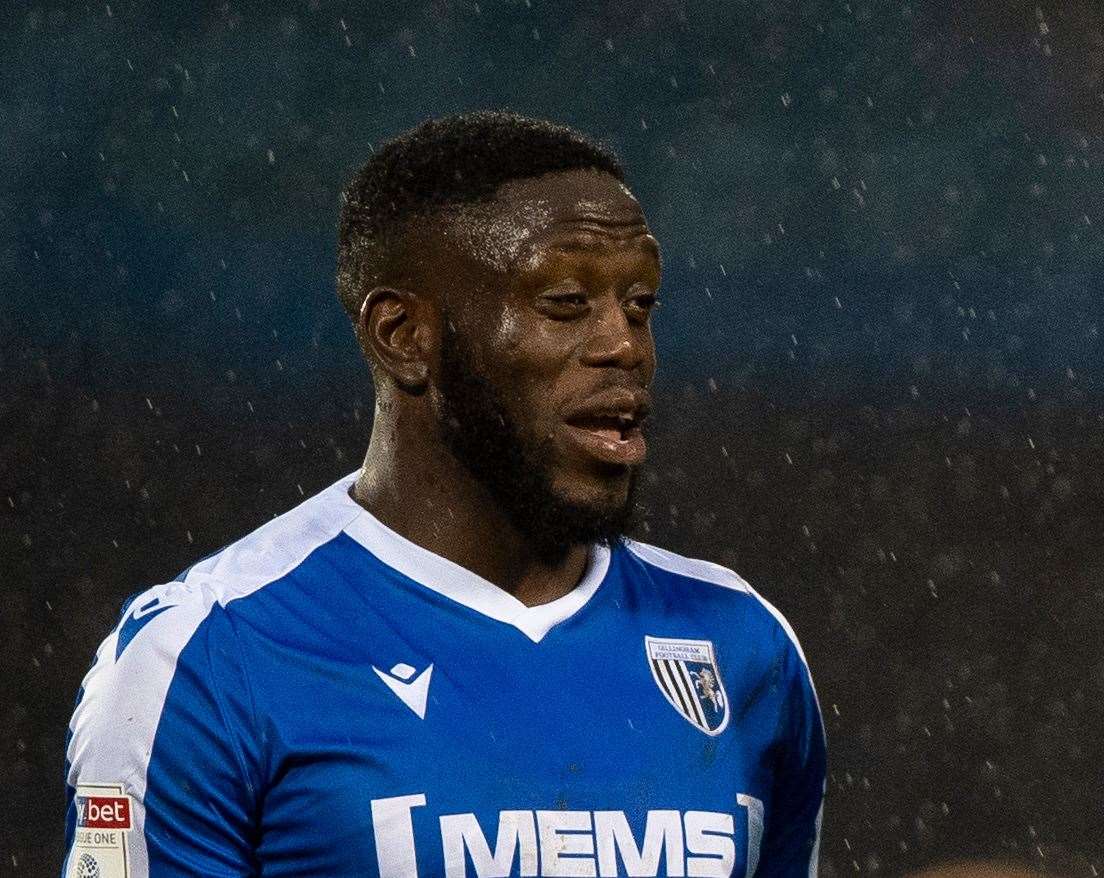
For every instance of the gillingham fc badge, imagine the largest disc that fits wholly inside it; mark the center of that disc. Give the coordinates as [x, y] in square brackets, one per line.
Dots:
[687, 674]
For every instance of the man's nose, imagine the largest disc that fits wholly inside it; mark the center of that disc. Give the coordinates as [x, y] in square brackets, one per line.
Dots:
[614, 341]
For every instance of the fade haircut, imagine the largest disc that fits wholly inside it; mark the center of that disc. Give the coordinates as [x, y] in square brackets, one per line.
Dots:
[440, 164]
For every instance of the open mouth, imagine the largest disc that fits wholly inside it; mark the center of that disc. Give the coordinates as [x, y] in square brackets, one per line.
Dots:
[613, 427]
[613, 438]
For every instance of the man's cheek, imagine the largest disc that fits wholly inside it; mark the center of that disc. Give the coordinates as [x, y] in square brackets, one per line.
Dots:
[506, 332]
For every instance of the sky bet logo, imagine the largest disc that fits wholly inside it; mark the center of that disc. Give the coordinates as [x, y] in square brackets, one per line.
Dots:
[103, 812]
[687, 844]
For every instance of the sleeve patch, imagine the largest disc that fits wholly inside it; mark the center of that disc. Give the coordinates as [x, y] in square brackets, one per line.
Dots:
[104, 823]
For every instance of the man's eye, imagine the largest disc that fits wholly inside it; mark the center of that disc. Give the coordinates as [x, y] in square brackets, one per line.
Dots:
[565, 302]
[644, 303]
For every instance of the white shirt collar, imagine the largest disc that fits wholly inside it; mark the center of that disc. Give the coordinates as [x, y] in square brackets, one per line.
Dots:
[460, 584]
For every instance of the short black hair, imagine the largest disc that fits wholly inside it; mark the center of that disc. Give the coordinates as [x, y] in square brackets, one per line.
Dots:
[453, 160]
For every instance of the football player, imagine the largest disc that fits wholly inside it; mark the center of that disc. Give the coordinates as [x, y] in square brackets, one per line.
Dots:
[453, 662]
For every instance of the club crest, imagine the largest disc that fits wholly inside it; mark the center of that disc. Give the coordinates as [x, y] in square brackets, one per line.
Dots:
[687, 674]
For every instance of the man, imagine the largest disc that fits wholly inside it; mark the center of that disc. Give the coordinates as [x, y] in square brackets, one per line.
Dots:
[451, 662]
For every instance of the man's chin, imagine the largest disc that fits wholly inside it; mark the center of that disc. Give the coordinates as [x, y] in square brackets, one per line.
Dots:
[579, 527]
[589, 512]
[604, 494]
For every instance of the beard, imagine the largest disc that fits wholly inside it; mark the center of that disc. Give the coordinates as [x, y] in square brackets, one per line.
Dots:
[516, 470]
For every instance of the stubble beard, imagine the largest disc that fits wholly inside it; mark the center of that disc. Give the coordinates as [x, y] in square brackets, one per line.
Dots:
[479, 431]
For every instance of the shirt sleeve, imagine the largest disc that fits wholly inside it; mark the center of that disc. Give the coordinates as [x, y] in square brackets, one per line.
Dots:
[161, 777]
[792, 834]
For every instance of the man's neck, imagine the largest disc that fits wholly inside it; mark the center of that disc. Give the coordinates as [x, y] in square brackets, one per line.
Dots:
[439, 506]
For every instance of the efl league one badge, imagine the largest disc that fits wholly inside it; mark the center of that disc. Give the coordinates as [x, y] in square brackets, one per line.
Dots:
[103, 824]
[687, 674]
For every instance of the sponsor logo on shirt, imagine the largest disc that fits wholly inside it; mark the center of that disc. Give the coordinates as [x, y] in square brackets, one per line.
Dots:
[562, 842]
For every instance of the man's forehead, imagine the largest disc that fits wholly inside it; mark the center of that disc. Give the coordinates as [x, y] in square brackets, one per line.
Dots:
[559, 209]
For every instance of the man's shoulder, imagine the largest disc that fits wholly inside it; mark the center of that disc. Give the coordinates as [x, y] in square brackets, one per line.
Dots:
[718, 589]
[277, 547]
[163, 618]
[690, 569]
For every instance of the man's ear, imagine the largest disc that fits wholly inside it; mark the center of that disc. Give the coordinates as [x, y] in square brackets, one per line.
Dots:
[397, 332]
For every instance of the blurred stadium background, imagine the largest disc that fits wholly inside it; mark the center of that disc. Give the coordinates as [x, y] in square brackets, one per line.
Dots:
[881, 377]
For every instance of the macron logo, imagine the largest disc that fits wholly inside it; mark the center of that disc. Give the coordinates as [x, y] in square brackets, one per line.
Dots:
[412, 691]
[136, 621]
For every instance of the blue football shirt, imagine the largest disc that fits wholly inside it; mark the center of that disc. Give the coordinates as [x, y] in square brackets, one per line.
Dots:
[324, 697]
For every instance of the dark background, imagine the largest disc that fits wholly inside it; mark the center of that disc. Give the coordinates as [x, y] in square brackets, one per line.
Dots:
[881, 394]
